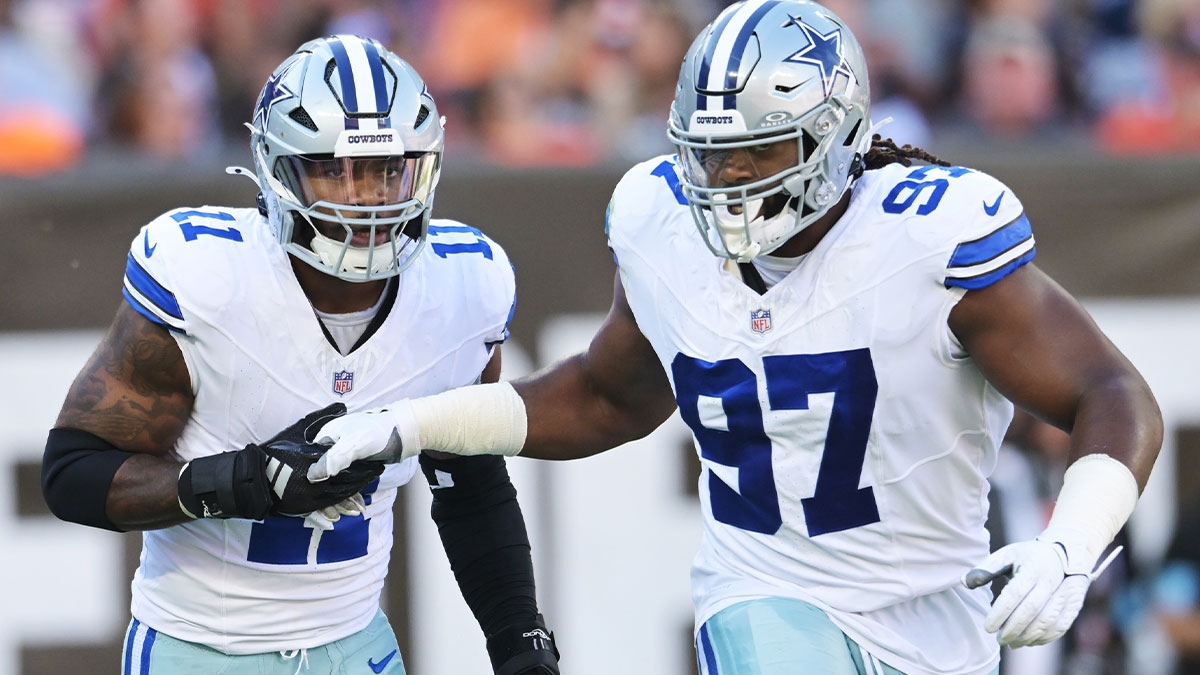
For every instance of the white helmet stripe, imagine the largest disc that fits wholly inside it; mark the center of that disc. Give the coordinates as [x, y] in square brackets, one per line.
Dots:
[357, 79]
[724, 59]
[364, 85]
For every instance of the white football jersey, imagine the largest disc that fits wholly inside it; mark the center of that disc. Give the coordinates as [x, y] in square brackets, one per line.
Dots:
[259, 361]
[845, 436]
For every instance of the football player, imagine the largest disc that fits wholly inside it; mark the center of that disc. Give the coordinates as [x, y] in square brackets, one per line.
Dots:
[238, 321]
[845, 326]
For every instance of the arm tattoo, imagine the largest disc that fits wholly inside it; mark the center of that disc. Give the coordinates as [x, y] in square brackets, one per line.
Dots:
[135, 390]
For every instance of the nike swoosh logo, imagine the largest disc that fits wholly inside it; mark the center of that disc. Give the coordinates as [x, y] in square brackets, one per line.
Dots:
[146, 244]
[378, 667]
[994, 208]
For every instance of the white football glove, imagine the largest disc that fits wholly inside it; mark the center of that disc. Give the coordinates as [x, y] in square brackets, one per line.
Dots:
[1050, 577]
[371, 435]
[323, 519]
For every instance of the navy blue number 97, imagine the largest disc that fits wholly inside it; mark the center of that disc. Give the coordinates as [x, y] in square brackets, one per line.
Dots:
[837, 503]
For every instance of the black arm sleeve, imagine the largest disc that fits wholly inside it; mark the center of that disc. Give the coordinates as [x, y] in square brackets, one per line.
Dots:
[77, 470]
[483, 531]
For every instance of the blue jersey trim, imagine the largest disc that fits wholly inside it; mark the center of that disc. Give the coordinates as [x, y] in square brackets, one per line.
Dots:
[150, 289]
[143, 658]
[710, 659]
[154, 318]
[992, 245]
[129, 647]
[147, 646]
[991, 277]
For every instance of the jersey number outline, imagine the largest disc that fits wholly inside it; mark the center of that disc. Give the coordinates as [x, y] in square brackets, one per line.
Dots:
[837, 502]
[287, 540]
[916, 184]
[192, 231]
[480, 245]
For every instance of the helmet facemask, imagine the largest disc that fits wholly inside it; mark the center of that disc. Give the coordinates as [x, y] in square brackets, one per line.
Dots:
[347, 146]
[360, 216]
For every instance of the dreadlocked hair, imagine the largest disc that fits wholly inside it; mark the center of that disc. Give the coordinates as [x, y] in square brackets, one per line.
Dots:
[884, 151]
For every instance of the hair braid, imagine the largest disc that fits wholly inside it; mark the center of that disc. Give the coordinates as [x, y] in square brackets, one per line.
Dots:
[884, 151]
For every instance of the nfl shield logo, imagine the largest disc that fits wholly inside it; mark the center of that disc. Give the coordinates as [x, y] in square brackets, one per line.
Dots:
[760, 321]
[343, 382]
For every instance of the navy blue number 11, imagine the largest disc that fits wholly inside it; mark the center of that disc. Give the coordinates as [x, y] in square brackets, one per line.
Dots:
[837, 503]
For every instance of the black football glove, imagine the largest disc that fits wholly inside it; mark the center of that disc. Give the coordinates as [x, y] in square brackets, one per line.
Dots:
[524, 649]
[271, 478]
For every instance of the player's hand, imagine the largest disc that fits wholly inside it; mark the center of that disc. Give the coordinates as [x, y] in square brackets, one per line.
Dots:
[371, 435]
[527, 649]
[1050, 577]
[323, 519]
[270, 478]
[287, 466]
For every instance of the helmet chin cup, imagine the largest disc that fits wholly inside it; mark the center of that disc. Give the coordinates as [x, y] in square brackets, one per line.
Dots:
[369, 261]
[735, 229]
[744, 238]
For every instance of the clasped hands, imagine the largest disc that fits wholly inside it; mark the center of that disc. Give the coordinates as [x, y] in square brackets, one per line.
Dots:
[1050, 576]
[370, 435]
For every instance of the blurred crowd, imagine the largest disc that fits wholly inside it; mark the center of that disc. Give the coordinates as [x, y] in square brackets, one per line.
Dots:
[580, 82]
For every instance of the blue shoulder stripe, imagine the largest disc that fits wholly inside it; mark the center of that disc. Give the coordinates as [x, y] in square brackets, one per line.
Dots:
[140, 280]
[989, 278]
[992, 245]
[141, 309]
[984, 261]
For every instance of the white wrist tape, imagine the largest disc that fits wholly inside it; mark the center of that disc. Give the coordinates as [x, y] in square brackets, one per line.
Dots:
[1098, 495]
[485, 419]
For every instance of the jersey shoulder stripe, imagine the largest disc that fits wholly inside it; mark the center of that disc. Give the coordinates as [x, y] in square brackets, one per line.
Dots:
[984, 261]
[150, 298]
[181, 249]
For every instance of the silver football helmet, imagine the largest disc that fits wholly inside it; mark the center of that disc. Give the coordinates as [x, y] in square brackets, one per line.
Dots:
[347, 146]
[766, 73]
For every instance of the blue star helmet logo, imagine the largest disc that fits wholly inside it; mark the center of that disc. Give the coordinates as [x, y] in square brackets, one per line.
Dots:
[273, 92]
[823, 51]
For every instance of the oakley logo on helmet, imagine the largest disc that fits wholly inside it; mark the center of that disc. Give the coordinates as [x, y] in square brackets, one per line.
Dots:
[776, 118]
